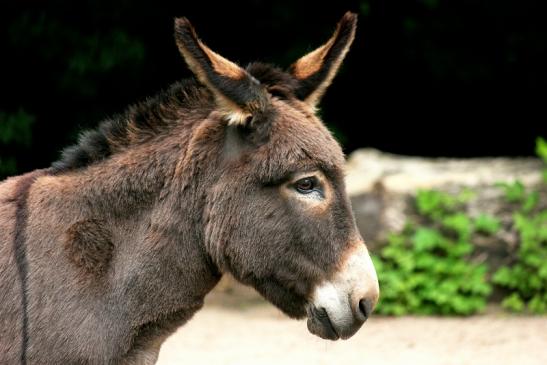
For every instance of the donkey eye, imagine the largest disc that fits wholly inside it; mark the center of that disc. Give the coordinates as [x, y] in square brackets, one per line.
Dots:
[306, 185]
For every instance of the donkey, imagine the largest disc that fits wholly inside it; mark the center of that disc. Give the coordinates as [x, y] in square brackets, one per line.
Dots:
[113, 247]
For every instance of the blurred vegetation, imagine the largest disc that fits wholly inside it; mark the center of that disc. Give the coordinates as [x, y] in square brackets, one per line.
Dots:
[526, 278]
[429, 268]
[426, 269]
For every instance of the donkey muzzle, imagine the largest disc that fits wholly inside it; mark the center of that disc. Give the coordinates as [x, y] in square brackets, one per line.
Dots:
[340, 306]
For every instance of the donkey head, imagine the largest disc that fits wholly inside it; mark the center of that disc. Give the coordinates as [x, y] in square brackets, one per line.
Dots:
[276, 214]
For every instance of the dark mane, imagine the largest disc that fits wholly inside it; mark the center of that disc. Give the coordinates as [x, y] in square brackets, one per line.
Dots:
[138, 124]
[156, 115]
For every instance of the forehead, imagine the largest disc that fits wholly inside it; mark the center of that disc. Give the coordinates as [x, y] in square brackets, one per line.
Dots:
[299, 141]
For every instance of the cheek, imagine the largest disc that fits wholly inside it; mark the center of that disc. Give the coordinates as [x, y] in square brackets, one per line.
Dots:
[322, 221]
[254, 237]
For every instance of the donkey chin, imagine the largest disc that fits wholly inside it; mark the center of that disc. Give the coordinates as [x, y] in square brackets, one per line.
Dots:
[340, 306]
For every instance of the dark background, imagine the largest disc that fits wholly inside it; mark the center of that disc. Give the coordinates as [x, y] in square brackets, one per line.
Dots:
[424, 77]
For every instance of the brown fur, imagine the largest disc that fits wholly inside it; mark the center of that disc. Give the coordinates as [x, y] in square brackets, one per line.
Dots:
[88, 244]
[109, 251]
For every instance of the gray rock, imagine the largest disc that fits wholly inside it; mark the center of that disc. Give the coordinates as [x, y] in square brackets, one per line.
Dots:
[382, 186]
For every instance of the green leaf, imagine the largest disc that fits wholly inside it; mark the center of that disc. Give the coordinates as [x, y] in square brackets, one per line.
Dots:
[503, 276]
[460, 249]
[541, 148]
[426, 238]
[542, 272]
[513, 303]
[424, 260]
[459, 223]
[395, 239]
[530, 201]
[466, 195]
[434, 203]
[533, 261]
[514, 192]
[488, 224]
[538, 304]
[535, 283]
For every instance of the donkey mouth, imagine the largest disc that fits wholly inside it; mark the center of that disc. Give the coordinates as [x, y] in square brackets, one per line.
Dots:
[320, 324]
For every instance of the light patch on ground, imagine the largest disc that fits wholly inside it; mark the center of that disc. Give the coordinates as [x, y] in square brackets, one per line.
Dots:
[261, 335]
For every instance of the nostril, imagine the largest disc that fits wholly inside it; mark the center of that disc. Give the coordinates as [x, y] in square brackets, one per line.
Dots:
[365, 307]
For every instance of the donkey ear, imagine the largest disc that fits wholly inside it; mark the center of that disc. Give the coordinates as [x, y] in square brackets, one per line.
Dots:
[237, 93]
[316, 70]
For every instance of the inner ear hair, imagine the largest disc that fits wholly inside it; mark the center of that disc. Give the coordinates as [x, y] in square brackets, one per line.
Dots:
[316, 70]
[238, 95]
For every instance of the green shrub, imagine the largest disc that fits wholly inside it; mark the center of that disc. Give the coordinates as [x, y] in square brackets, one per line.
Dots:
[426, 268]
[526, 278]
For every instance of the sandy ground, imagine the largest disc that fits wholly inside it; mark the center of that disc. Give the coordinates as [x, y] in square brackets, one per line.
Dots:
[256, 333]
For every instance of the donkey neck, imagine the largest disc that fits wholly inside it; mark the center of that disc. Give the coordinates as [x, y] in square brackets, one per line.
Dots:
[129, 161]
[147, 271]
[161, 182]
[149, 200]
